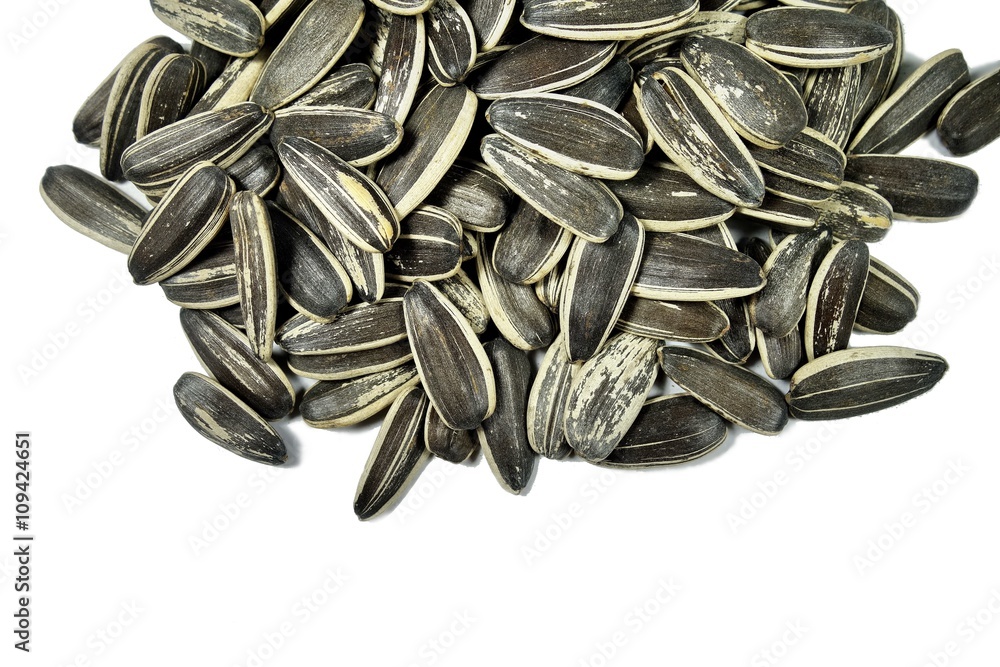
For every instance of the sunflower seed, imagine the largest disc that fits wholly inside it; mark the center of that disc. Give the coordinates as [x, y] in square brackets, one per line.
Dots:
[92, 206]
[429, 246]
[610, 87]
[451, 42]
[968, 122]
[403, 58]
[738, 395]
[596, 284]
[351, 85]
[436, 132]
[350, 365]
[855, 212]
[581, 204]
[607, 395]
[810, 167]
[234, 85]
[660, 48]
[779, 306]
[356, 136]
[547, 403]
[503, 435]
[540, 65]
[224, 352]
[763, 107]
[222, 137]
[861, 381]
[737, 344]
[669, 430]
[347, 200]
[917, 188]
[190, 215]
[689, 127]
[784, 213]
[446, 443]
[313, 280]
[910, 111]
[218, 415]
[889, 301]
[397, 458]
[832, 102]
[360, 327]
[256, 274]
[606, 19]
[315, 42]
[258, 171]
[208, 282]
[679, 267]
[473, 194]
[529, 247]
[549, 288]
[404, 7]
[691, 322]
[235, 27]
[172, 88]
[789, 36]
[602, 144]
[464, 295]
[515, 309]
[834, 298]
[782, 355]
[335, 404]
[453, 366]
[275, 10]
[878, 76]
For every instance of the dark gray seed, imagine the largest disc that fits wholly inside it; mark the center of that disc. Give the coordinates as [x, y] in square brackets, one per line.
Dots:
[680, 267]
[403, 58]
[737, 344]
[834, 298]
[121, 118]
[815, 38]
[596, 283]
[403, 7]
[601, 144]
[348, 402]
[794, 189]
[356, 136]
[345, 197]
[490, 18]
[781, 356]
[910, 111]
[218, 415]
[889, 302]
[547, 403]
[738, 395]
[610, 87]
[208, 282]
[583, 205]
[549, 288]
[258, 171]
[665, 199]
[607, 395]
[763, 107]
[360, 327]
[779, 306]
[256, 271]
[351, 86]
[397, 458]
[453, 365]
[917, 188]
[315, 42]
[878, 76]
[541, 64]
[689, 127]
[223, 351]
[474, 195]
[659, 49]
[503, 435]
[235, 27]
[810, 158]
[182, 224]
[606, 19]
[855, 212]
[434, 136]
[969, 121]
[451, 42]
[429, 246]
[92, 206]
[783, 213]
[861, 381]
[464, 295]
[213, 61]
[234, 85]
[690, 322]
[832, 102]
[172, 88]
[515, 309]
[530, 246]
[222, 137]
[310, 276]
[669, 430]
[446, 443]
[349, 365]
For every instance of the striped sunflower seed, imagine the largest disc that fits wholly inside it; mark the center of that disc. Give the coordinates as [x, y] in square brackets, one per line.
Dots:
[351, 86]
[474, 195]
[530, 246]
[92, 206]
[917, 188]
[451, 42]
[361, 327]
[350, 365]
[833, 100]
[808, 168]
[669, 430]
[173, 87]
[680, 267]
[968, 123]
[464, 295]
[219, 416]
[775, 211]
[348, 402]
[779, 306]
[889, 301]
[606, 19]
[607, 395]
[356, 136]
[878, 76]
[503, 435]
[547, 403]
[549, 288]
[403, 59]
[446, 443]
[739, 342]
[234, 85]
[397, 458]
[855, 212]
[182, 224]
[208, 282]
[691, 322]
[259, 171]
[657, 50]
[781, 356]
[834, 298]
[453, 366]
[540, 65]
[403, 7]
[490, 18]
[223, 351]
[738, 395]
[856, 382]
[429, 246]
[609, 87]
[235, 27]
[815, 38]
[256, 270]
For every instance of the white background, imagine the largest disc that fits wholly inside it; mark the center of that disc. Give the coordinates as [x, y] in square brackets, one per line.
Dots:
[449, 578]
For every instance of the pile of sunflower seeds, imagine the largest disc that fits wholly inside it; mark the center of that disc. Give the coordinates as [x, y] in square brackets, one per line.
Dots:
[407, 197]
